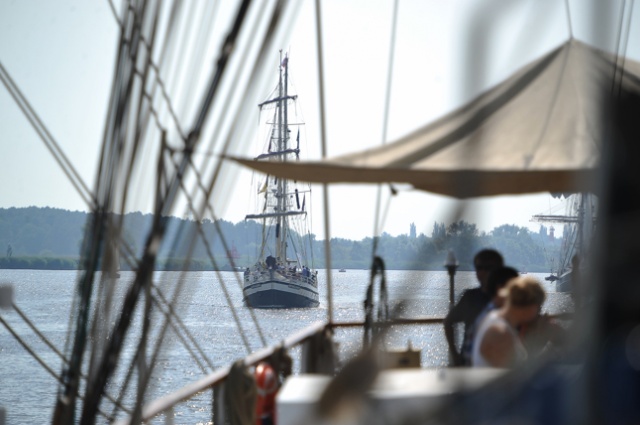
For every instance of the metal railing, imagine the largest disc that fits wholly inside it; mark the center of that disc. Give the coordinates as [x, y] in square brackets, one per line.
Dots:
[165, 405]
[212, 381]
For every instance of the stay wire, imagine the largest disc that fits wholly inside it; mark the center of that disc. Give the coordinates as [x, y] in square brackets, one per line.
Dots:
[112, 351]
[265, 47]
[171, 58]
[392, 46]
[216, 171]
[54, 148]
[378, 225]
[617, 55]
[120, 106]
[228, 47]
[148, 109]
[624, 48]
[274, 22]
[159, 343]
[194, 135]
[222, 284]
[207, 194]
[116, 139]
[42, 363]
[568, 9]
[125, 384]
[144, 109]
[49, 344]
[66, 404]
[146, 95]
[158, 78]
[115, 223]
[144, 369]
[168, 322]
[199, 179]
[194, 67]
[137, 357]
[180, 326]
[323, 138]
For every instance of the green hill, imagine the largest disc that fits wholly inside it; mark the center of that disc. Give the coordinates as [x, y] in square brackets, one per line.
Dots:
[50, 238]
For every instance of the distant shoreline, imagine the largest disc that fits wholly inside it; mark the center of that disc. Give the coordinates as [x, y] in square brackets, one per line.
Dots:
[202, 268]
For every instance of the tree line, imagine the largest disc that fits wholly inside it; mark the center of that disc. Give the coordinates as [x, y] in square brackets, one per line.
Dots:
[50, 238]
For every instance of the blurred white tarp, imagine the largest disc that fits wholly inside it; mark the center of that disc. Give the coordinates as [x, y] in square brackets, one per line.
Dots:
[540, 130]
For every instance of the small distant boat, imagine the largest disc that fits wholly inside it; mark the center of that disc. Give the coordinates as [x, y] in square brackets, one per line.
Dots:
[342, 270]
[230, 268]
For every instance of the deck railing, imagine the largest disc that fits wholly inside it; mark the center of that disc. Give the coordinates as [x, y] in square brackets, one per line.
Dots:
[213, 381]
[165, 405]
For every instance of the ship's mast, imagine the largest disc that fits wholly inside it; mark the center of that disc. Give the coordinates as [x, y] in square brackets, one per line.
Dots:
[280, 137]
[582, 216]
[281, 243]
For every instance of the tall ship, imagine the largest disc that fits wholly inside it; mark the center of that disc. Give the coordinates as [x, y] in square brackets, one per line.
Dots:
[160, 346]
[281, 276]
[579, 222]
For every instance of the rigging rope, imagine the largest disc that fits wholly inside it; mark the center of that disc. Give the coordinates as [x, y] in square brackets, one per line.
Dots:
[323, 139]
[275, 18]
[377, 223]
[626, 41]
[42, 363]
[134, 17]
[168, 314]
[207, 196]
[158, 79]
[617, 51]
[106, 366]
[181, 328]
[58, 154]
[568, 9]
[49, 344]
[621, 51]
[211, 257]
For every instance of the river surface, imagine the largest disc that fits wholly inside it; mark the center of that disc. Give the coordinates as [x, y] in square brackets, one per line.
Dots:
[28, 390]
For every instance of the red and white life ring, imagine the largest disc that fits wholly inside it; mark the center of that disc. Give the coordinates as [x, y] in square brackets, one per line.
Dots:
[267, 385]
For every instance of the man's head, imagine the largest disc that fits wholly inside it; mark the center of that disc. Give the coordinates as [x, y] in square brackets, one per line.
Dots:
[498, 279]
[484, 262]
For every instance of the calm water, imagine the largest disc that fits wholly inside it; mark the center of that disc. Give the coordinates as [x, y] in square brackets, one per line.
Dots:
[27, 390]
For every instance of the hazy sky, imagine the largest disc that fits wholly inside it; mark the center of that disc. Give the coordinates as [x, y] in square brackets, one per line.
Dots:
[61, 55]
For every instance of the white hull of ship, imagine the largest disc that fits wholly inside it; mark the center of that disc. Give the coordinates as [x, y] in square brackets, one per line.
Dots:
[563, 283]
[273, 290]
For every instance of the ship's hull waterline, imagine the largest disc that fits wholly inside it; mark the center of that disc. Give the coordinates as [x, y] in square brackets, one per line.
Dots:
[275, 293]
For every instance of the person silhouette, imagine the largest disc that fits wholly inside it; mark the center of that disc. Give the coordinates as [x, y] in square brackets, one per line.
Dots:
[472, 302]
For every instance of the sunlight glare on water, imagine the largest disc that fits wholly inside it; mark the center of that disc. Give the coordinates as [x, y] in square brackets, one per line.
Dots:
[28, 391]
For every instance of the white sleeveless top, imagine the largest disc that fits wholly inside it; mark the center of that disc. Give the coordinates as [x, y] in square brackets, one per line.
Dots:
[490, 319]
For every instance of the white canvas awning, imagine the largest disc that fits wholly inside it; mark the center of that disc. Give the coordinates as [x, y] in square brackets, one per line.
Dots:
[540, 130]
